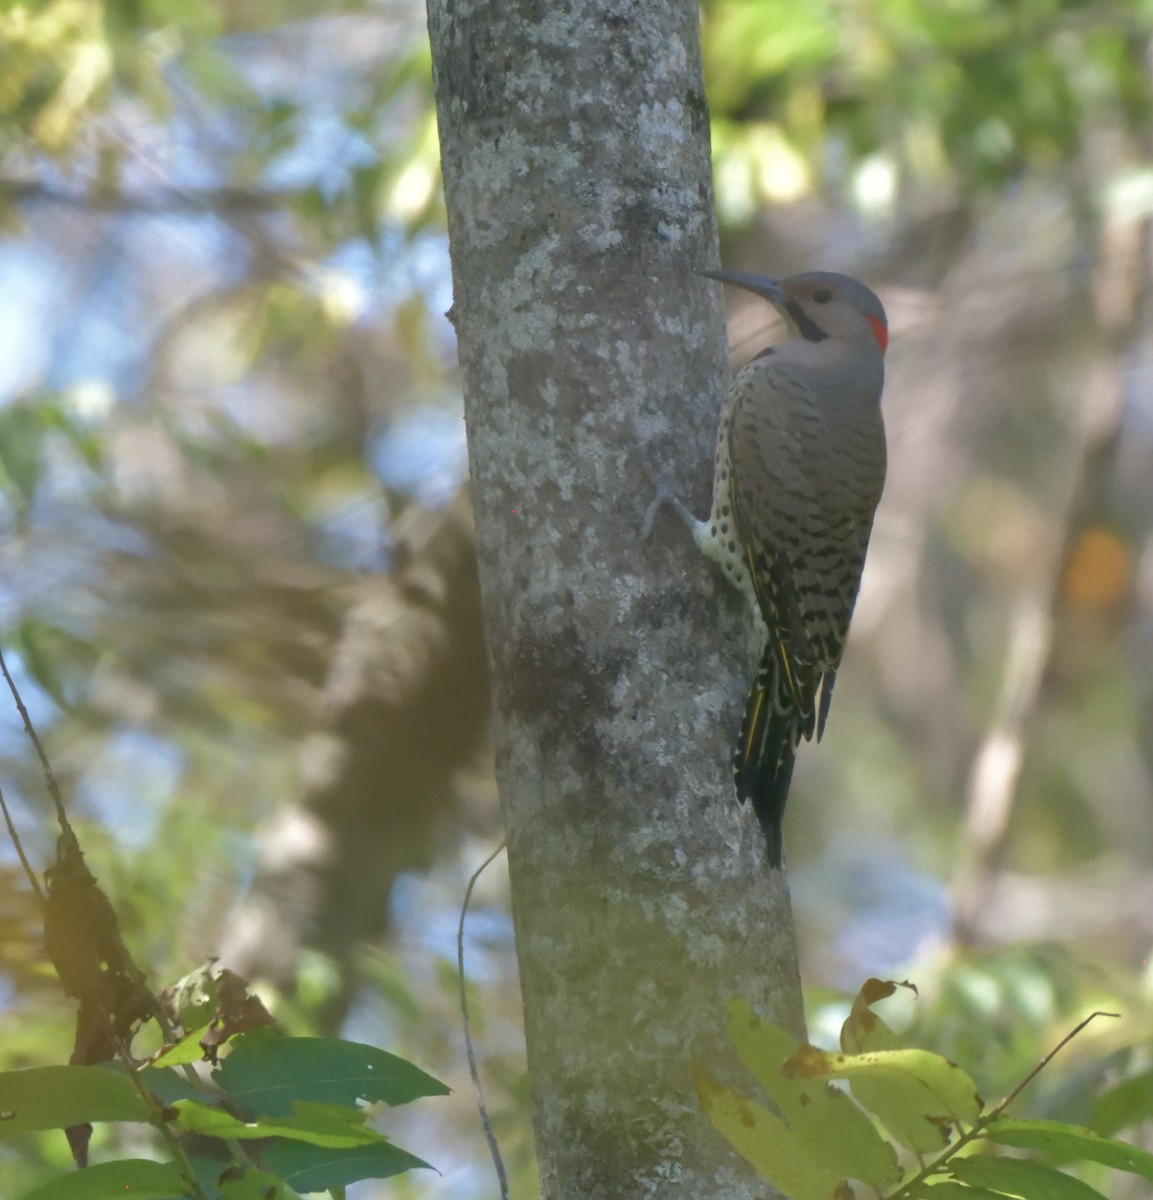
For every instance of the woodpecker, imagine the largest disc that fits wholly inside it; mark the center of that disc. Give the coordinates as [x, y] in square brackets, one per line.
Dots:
[800, 465]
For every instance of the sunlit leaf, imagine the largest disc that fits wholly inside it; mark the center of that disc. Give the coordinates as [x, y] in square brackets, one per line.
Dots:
[917, 1095]
[56, 1097]
[128, 1179]
[824, 1119]
[320, 1124]
[766, 1143]
[184, 1050]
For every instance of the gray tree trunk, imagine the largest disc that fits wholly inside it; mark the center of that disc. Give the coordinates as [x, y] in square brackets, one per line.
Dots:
[575, 150]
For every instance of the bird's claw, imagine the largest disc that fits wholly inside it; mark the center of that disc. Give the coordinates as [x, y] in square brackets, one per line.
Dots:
[651, 516]
[665, 497]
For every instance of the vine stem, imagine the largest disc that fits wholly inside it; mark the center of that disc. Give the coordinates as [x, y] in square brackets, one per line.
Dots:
[486, 1123]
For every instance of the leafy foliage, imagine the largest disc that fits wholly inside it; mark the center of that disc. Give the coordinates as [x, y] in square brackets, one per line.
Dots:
[966, 94]
[134, 1177]
[56, 1097]
[270, 1075]
[268, 1089]
[926, 1104]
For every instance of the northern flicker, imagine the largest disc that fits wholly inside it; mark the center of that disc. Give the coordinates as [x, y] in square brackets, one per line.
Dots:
[800, 465]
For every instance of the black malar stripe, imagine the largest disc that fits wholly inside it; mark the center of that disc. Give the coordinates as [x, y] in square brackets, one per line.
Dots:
[806, 326]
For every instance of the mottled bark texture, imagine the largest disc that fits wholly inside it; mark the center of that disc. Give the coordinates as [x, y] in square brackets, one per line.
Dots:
[575, 149]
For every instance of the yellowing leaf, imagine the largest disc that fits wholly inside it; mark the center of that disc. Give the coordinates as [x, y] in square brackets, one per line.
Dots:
[863, 1029]
[764, 1141]
[824, 1119]
[917, 1095]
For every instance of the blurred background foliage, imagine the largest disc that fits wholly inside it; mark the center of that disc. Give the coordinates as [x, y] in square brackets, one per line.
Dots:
[236, 577]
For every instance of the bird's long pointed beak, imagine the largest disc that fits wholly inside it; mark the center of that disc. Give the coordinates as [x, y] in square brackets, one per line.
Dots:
[759, 285]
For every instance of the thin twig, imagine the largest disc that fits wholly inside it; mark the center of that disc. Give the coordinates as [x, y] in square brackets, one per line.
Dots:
[66, 829]
[1044, 1063]
[33, 737]
[32, 880]
[490, 1137]
[979, 1128]
[155, 1108]
[162, 200]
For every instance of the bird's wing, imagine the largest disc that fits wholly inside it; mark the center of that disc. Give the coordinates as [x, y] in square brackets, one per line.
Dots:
[773, 506]
[803, 495]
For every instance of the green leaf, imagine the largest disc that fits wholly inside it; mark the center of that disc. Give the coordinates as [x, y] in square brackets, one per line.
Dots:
[59, 661]
[256, 1185]
[56, 417]
[21, 451]
[266, 1074]
[825, 1120]
[764, 1141]
[1020, 1177]
[949, 1189]
[916, 1094]
[213, 1006]
[191, 1000]
[184, 1050]
[169, 1086]
[1071, 1142]
[317, 1168]
[321, 1124]
[56, 1097]
[1129, 1103]
[905, 1104]
[137, 1178]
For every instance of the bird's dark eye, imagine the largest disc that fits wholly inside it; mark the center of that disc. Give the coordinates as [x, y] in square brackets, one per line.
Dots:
[822, 295]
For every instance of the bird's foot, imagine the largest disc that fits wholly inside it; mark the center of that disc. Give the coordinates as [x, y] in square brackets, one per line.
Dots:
[665, 498]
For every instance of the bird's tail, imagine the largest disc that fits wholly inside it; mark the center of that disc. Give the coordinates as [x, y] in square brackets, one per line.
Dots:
[766, 748]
